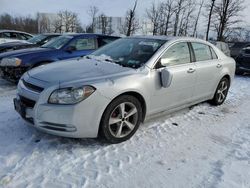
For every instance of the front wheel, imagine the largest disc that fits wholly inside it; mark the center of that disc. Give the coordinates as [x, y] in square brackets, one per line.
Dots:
[121, 119]
[221, 92]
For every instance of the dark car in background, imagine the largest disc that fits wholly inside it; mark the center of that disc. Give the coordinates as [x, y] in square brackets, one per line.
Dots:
[222, 46]
[36, 41]
[236, 47]
[243, 61]
[14, 64]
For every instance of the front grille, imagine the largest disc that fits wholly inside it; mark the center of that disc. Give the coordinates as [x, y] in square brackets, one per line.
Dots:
[27, 102]
[32, 87]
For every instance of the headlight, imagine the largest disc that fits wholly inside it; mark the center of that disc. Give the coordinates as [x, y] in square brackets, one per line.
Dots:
[13, 62]
[70, 95]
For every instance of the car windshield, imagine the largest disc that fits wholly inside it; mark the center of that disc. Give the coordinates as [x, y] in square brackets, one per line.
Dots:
[129, 52]
[36, 39]
[58, 42]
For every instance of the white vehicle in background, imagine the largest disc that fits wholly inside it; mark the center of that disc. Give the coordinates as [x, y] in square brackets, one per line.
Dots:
[12, 36]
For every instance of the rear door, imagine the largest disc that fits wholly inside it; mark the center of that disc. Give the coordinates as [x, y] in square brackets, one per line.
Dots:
[208, 68]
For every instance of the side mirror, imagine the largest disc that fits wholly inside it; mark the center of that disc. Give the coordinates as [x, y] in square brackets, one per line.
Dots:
[166, 78]
[70, 49]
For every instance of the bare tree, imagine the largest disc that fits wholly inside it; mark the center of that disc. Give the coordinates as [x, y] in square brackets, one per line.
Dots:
[169, 11]
[227, 12]
[104, 23]
[211, 7]
[201, 4]
[153, 15]
[190, 10]
[58, 23]
[66, 21]
[131, 23]
[43, 24]
[179, 7]
[92, 12]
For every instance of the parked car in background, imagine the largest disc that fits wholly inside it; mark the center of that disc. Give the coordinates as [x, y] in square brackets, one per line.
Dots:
[11, 36]
[222, 46]
[14, 64]
[110, 92]
[243, 61]
[236, 47]
[36, 41]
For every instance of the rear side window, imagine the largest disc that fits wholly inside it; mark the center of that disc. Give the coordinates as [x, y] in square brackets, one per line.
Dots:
[84, 44]
[25, 36]
[214, 56]
[176, 55]
[21, 36]
[202, 51]
[6, 35]
[14, 36]
[105, 40]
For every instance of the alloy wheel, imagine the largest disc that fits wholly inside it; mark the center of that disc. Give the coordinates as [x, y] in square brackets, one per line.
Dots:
[222, 91]
[123, 119]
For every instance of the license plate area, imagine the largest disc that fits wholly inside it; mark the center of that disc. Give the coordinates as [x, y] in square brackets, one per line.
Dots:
[20, 108]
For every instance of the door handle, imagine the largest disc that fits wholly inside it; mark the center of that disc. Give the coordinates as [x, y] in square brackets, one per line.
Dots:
[219, 66]
[191, 70]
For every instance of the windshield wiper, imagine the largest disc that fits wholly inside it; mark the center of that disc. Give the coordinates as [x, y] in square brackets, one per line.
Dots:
[112, 61]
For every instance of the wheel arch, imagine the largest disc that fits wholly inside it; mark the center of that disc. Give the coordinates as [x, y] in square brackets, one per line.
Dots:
[228, 77]
[135, 94]
[41, 62]
[138, 96]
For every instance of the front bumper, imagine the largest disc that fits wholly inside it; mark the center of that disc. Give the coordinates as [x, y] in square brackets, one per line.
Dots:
[77, 121]
[12, 73]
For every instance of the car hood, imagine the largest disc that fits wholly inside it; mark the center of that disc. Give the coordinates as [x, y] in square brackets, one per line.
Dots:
[17, 53]
[78, 70]
[14, 43]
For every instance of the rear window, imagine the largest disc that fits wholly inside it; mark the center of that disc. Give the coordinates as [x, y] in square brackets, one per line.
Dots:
[202, 52]
[105, 40]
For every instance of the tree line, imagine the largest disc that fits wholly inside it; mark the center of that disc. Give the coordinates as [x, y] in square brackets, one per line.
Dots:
[168, 17]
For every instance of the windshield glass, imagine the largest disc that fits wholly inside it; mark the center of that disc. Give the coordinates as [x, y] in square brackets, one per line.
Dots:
[58, 42]
[129, 52]
[36, 39]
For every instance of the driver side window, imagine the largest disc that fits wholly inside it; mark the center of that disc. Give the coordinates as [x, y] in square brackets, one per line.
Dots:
[176, 55]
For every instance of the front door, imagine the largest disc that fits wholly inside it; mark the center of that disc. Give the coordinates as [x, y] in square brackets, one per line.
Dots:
[177, 61]
[79, 47]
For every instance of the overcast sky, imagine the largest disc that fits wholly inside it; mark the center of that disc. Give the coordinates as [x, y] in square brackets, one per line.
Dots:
[109, 7]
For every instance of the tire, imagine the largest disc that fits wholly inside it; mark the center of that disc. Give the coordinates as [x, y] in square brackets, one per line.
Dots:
[221, 92]
[121, 119]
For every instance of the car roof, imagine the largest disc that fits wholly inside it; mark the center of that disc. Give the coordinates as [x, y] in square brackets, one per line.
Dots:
[6, 30]
[169, 38]
[88, 35]
[50, 34]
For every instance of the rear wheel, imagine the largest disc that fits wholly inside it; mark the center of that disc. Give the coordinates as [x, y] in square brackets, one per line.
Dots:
[221, 92]
[121, 119]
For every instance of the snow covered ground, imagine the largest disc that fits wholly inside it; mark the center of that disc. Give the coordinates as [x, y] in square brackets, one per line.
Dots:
[203, 146]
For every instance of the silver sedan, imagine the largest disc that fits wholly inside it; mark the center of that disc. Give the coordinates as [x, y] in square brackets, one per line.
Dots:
[112, 91]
